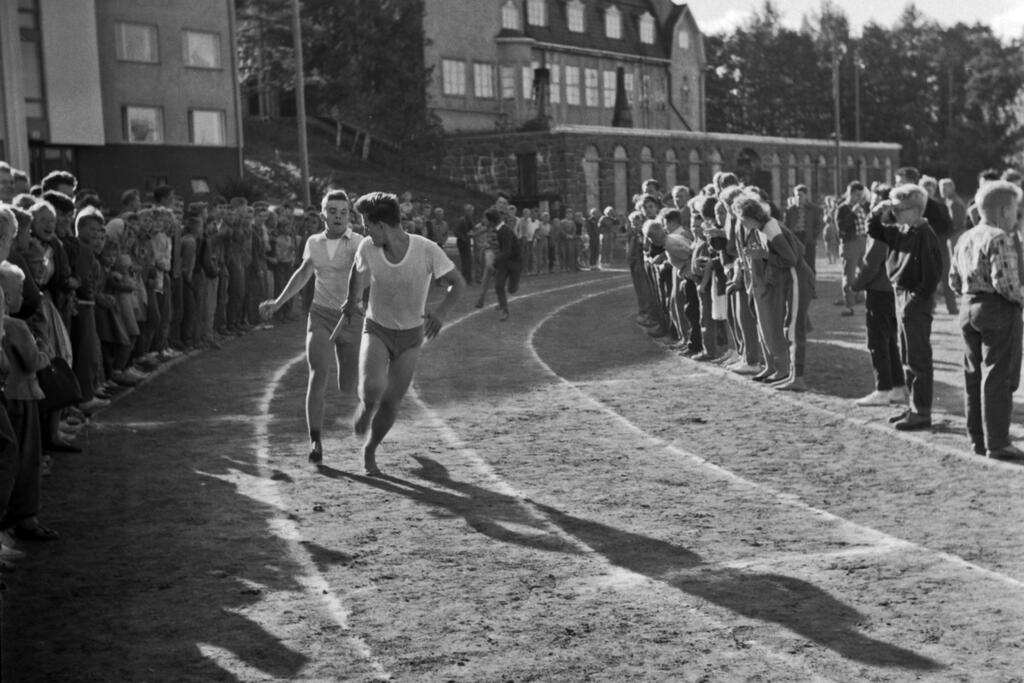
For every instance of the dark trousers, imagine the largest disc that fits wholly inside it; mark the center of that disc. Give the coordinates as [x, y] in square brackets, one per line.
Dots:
[708, 325]
[236, 294]
[22, 475]
[189, 312]
[505, 276]
[880, 320]
[744, 321]
[150, 329]
[465, 259]
[85, 344]
[914, 321]
[691, 309]
[947, 294]
[992, 330]
[595, 246]
[177, 311]
[283, 273]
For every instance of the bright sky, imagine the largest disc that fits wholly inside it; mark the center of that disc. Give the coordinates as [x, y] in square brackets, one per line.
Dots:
[1006, 17]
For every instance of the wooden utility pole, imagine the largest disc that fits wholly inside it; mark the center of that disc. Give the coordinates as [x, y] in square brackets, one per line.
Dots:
[300, 102]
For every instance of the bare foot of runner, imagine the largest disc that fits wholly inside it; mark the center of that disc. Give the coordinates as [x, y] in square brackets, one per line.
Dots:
[370, 462]
[316, 452]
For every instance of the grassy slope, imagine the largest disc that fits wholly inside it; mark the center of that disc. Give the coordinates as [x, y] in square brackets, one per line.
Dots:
[278, 139]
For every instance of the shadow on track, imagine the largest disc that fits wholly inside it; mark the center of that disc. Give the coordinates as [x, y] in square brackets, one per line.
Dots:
[792, 603]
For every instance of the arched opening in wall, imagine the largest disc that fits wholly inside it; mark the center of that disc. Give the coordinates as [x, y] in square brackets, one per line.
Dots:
[748, 168]
[775, 178]
[875, 173]
[646, 164]
[671, 169]
[715, 160]
[696, 182]
[850, 172]
[823, 183]
[791, 170]
[592, 176]
[621, 179]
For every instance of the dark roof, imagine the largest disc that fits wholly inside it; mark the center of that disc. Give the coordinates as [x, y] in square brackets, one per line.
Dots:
[557, 31]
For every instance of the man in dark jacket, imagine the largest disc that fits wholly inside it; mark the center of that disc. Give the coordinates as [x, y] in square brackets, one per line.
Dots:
[914, 266]
[508, 262]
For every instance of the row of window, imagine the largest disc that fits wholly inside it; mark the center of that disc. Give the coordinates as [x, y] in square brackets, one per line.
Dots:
[146, 125]
[140, 43]
[537, 15]
[598, 86]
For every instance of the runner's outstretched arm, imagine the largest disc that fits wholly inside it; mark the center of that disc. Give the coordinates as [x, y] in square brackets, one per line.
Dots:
[295, 284]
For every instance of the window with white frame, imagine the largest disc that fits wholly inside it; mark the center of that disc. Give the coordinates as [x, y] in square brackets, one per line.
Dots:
[510, 16]
[556, 83]
[629, 82]
[201, 49]
[483, 80]
[574, 10]
[508, 82]
[613, 22]
[572, 85]
[647, 28]
[684, 40]
[609, 89]
[206, 127]
[528, 73]
[136, 43]
[453, 77]
[537, 12]
[592, 84]
[143, 124]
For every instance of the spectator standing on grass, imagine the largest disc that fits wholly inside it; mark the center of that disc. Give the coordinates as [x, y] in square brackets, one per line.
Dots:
[880, 321]
[464, 243]
[852, 223]
[914, 266]
[556, 248]
[807, 223]
[986, 271]
[540, 243]
[20, 485]
[607, 227]
[940, 221]
[508, 261]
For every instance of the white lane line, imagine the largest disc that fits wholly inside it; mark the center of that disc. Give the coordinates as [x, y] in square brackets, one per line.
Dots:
[311, 579]
[866, 421]
[616, 574]
[874, 536]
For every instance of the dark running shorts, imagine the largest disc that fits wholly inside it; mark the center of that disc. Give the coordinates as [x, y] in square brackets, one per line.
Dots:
[396, 342]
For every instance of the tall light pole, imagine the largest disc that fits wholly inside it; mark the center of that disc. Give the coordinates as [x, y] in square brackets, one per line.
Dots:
[300, 102]
[838, 49]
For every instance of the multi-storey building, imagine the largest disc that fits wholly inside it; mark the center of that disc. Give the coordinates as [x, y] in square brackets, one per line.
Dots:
[486, 56]
[122, 93]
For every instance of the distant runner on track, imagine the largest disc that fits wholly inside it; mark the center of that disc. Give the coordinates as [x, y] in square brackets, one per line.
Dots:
[328, 256]
[400, 268]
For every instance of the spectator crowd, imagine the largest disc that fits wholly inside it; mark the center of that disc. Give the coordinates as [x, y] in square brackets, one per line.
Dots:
[95, 297]
[726, 277]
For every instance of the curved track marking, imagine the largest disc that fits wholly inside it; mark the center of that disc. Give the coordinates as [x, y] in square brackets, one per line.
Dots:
[879, 538]
[312, 580]
[505, 488]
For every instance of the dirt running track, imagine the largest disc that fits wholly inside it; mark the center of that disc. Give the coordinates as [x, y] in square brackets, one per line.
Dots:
[565, 501]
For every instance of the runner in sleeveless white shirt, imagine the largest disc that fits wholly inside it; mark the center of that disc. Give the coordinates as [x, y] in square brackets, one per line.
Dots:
[399, 269]
[328, 256]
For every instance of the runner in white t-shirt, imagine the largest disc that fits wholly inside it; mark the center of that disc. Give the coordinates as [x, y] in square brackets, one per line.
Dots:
[399, 269]
[328, 256]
